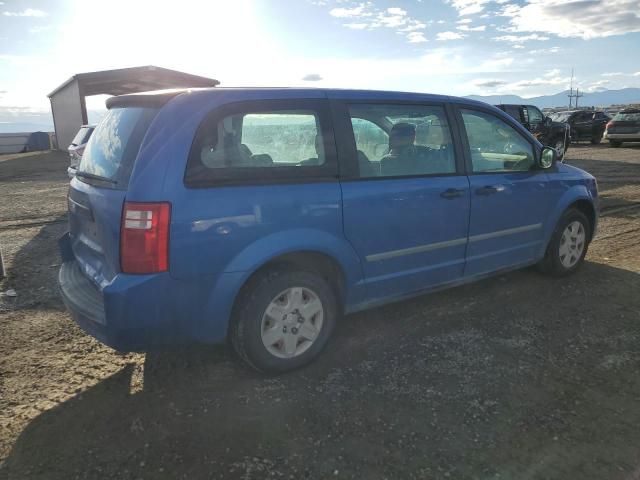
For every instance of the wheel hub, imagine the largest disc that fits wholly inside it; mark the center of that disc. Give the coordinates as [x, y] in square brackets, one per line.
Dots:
[292, 322]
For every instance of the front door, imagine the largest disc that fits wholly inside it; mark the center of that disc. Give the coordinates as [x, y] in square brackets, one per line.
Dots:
[405, 197]
[509, 196]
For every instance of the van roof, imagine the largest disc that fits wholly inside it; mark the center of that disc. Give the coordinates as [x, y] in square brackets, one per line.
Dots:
[159, 97]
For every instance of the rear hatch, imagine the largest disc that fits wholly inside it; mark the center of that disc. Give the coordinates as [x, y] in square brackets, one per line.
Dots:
[98, 191]
[625, 122]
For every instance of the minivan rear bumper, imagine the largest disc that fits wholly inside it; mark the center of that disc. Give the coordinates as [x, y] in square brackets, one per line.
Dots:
[140, 312]
[87, 306]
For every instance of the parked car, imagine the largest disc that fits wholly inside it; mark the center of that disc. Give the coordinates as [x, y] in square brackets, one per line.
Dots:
[548, 132]
[624, 127]
[76, 149]
[263, 215]
[584, 124]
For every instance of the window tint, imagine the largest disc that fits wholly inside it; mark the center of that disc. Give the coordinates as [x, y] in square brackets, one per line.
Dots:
[114, 144]
[535, 115]
[513, 111]
[494, 145]
[265, 139]
[398, 140]
[371, 140]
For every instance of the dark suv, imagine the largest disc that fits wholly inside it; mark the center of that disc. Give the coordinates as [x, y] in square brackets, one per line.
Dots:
[584, 124]
[548, 132]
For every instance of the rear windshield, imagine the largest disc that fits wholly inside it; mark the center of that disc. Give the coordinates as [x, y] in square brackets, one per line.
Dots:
[82, 136]
[628, 116]
[114, 145]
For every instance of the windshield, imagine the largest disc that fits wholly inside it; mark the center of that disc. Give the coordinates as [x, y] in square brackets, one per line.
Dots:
[560, 116]
[115, 142]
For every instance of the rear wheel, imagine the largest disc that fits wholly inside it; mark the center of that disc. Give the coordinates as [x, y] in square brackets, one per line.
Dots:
[614, 143]
[568, 245]
[283, 320]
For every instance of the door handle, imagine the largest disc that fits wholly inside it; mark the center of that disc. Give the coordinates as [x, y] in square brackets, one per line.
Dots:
[490, 189]
[451, 193]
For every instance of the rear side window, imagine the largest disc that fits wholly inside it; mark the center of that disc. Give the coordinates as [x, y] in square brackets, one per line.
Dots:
[402, 140]
[259, 144]
[114, 144]
[514, 111]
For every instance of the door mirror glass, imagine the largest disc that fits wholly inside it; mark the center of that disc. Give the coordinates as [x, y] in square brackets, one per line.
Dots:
[548, 156]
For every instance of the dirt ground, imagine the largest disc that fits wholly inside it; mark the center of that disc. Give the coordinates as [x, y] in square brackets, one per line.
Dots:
[519, 376]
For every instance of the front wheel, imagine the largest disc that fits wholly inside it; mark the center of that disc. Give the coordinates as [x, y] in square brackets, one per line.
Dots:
[568, 245]
[596, 139]
[283, 320]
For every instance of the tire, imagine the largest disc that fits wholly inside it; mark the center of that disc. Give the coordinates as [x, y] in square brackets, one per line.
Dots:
[596, 140]
[277, 290]
[614, 143]
[554, 262]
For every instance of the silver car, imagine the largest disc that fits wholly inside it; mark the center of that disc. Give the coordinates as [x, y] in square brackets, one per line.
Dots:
[76, 149]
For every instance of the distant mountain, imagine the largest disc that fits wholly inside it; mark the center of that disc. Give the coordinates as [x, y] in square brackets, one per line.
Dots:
[14, 120]
[601, 98]
[25, 127]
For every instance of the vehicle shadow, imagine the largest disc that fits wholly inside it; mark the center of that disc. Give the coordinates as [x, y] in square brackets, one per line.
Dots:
[51, 165]
[518, 376]
[33, 270]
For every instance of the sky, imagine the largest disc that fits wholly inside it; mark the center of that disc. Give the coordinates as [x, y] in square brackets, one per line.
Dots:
[455, 47]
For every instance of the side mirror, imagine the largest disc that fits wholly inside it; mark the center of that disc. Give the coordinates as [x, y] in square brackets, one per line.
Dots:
[547, 157]
[547, 121]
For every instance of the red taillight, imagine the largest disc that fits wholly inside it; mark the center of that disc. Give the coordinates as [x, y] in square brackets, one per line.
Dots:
[144, 237]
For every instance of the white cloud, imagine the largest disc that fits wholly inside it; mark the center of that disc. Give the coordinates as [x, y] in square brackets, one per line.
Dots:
[464, 20]
[358, 11]
[365, 16]
[552, 73]
[416, 37]
[541, 51]
[637, 74]
[596, 86]
[28, 12]
[442, 36]
[520, 38]
[356, 26]
[468, 7]
[467, 28]
[583, 18]
[612, 74]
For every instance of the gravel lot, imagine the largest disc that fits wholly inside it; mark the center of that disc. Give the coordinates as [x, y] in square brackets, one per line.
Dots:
[519, 376]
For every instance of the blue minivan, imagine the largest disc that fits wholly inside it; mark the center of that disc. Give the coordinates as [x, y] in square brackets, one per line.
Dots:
[261, 216]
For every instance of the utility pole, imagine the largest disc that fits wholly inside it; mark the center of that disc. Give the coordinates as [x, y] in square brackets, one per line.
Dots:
[578, 95]
[571, 90]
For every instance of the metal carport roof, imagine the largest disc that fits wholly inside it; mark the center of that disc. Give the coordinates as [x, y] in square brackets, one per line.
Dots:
[134, 79]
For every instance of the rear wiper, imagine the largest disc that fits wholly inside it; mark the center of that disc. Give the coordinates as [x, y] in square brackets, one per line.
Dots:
[93, 176]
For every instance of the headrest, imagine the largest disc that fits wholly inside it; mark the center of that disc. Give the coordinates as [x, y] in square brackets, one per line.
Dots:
[403, 130]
